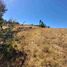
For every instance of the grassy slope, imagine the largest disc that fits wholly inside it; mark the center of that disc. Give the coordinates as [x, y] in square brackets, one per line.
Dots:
[44, 47]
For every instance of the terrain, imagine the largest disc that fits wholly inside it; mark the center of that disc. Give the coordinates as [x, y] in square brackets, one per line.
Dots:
[43, 47]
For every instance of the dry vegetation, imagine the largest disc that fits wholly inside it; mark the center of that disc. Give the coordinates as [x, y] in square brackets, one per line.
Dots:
[31, 46]
[44, 47]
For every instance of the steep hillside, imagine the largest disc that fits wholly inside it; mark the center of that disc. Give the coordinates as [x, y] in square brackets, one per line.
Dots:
[44, 47]
[40, 47]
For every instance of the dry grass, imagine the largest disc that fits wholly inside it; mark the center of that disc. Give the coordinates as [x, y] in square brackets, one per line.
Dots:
[44, 47]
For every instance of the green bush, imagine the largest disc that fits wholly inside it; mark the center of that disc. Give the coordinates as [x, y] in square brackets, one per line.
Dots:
[7, 51]
[6, 48]
[41, 24]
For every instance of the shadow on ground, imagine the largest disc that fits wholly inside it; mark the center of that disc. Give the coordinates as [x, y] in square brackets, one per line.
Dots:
[9, 57]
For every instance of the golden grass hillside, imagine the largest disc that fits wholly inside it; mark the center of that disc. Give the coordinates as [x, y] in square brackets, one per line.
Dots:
[45, 47]
[38, 47]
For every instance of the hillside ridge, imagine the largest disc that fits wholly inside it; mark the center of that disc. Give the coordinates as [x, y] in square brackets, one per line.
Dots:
[37, 47]
[45, 47]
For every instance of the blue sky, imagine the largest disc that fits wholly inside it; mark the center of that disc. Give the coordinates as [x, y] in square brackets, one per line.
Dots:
[52, 12]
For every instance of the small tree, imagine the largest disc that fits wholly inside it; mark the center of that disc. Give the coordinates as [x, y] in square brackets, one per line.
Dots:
[2, 8]
[2, 11]
[41, 24]
[48, 26]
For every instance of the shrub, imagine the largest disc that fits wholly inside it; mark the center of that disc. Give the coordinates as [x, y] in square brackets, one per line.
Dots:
[41, 24]
[7, 51]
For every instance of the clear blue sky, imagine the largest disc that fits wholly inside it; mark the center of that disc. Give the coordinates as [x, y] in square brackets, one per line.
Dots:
[52, 12]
